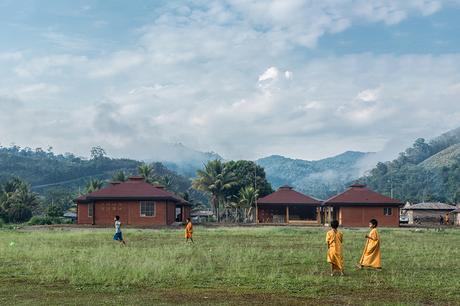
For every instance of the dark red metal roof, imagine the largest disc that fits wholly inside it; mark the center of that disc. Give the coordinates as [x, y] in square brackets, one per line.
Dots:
[286, 195]
[133, 189]
[358, 194]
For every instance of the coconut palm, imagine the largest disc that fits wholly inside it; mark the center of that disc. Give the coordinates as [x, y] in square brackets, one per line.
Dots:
[247, 200]
[145, 171]
[93, 185]
[119, 176]
[214, 179]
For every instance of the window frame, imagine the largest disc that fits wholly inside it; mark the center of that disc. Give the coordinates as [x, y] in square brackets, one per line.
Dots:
[145, 210]
[388, 211]
[90, 210]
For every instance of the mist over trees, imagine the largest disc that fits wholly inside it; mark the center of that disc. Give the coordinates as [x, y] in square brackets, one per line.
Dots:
[424, 172]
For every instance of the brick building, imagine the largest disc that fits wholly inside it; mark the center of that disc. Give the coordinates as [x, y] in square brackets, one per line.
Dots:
[358, 204]
[288, 206]
[136, 202]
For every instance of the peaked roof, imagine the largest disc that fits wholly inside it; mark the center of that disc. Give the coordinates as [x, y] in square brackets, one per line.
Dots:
[358, 194]
[133, 189]
[431, 206]
[286, 195]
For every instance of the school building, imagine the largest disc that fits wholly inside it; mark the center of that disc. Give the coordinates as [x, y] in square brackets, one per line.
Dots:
[137, 202]
[358, 204]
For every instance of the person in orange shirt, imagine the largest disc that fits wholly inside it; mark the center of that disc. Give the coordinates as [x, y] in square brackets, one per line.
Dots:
[334, 239]
[371, 257]
[188, 230]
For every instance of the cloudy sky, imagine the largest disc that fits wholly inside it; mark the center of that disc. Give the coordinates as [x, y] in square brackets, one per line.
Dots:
[244, 78]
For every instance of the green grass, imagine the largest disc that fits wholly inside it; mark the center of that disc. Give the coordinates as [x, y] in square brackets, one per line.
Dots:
[225, 266]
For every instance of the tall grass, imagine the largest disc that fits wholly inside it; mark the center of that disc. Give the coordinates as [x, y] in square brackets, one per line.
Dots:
[417, 266]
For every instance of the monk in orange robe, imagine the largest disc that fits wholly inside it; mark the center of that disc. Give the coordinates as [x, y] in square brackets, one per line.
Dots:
[334, 240]
[189, 230]
[371, 257]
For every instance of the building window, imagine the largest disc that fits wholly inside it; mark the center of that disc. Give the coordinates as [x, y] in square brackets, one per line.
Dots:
[90, 210]
[387, 211]
[147, 208]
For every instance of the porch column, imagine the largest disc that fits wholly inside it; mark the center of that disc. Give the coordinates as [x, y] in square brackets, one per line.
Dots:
[287, 214]
[94, 212]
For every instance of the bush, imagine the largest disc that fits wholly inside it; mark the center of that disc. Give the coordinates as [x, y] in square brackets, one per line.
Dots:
[19, 213]
[40, 220]
[44, 220]
[54, 211]
[2, 223]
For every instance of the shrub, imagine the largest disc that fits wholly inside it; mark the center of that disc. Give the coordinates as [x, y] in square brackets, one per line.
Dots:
[54, 211]
[40, 220]
[19, 213]
[2, 223]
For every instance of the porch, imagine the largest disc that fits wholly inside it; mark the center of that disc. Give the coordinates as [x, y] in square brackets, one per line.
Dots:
[295, 214]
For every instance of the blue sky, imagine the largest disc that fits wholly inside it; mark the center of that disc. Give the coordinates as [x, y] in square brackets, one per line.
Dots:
[305, 79]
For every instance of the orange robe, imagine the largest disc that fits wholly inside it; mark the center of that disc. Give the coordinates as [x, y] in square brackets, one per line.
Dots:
[371, 255]
[189, 230]
[334, 241]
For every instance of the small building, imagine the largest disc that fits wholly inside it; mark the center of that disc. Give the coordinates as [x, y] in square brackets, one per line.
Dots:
[358, 204]
[137, 202]
[455, 216]
[288, 206]
[430, 212]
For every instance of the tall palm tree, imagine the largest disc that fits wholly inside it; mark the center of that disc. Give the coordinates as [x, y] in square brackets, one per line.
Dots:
[214, 179]
[247, 200]
[93, 185]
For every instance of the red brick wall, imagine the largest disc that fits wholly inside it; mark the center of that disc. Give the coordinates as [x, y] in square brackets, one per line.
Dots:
[129, 212]
[171, 213]
[360, 216]
[82, 214]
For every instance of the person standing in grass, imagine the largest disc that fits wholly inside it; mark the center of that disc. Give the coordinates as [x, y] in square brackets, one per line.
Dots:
[188, 230]
[371, 257]
[118, 235]
[334, 239]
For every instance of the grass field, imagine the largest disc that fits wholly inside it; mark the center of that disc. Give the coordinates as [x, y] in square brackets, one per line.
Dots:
[225, 266]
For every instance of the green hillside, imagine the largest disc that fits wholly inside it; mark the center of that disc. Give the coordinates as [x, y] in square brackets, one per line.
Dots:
[446, 158]
[320, 178]
[427, 171]
[59, 178]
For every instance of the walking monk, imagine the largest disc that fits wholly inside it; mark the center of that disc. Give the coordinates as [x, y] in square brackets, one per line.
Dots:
[189, 230]
[334, 240]
[371, 257]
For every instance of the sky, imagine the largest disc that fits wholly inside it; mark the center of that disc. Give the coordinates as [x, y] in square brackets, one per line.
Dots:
[246, 79]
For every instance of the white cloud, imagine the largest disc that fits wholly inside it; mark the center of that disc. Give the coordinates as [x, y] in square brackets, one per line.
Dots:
[369, 95]
[219, 76]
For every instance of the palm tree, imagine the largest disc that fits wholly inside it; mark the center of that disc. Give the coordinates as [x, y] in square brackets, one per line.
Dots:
[214, 179]
[167, 181]
[93, 185]
[119, 176]
[145, 171]
[247, 200]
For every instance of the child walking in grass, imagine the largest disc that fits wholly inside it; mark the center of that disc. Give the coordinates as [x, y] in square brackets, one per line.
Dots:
[334, 239]
[118, 235]
[371, 257]
[188, 230]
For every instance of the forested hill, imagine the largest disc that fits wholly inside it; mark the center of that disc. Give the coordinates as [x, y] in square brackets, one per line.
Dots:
[427, 171]
[319, 178]
[56, 173]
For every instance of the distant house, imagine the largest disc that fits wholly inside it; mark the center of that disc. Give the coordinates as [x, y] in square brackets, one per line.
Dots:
[135, 201]
[455, 214]
[430, 212]
[288, 206]
[358, 204]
